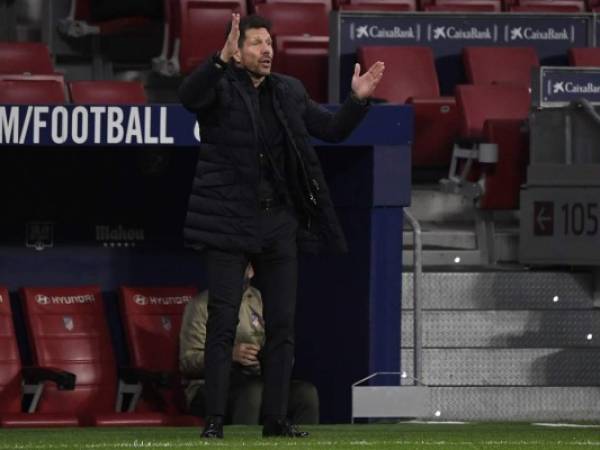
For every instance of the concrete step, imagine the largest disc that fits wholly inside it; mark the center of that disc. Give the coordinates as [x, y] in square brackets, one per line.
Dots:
[505, 329]
[528, 404]
[506, 367]
[497, 290]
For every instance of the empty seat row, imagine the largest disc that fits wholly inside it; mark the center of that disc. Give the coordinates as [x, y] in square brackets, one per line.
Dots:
[194, 28]
[82, 20]
[437, 118]
[74, 379]
[491, 109]
[52, 90]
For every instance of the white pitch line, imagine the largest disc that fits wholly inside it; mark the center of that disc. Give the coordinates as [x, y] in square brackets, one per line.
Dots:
[565, 425]
[280, 444]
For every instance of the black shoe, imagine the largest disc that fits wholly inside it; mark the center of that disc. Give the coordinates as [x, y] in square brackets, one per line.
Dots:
[282, 428]
[213, 428]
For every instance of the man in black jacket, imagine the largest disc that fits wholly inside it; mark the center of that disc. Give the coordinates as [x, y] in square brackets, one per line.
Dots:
[258, 195]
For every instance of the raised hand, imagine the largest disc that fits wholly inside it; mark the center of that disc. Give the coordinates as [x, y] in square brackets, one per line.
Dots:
[231, 44]
[364, 85]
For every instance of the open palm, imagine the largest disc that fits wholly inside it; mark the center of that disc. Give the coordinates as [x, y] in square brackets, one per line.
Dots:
[364, 85]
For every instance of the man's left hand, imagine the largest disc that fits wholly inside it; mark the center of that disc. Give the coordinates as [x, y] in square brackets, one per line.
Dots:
[364, 85]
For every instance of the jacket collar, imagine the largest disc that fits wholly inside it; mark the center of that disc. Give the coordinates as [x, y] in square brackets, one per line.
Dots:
[241, 75]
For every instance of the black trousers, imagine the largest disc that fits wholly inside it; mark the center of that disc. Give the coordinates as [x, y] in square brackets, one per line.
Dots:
[244, 401]
[276, 270]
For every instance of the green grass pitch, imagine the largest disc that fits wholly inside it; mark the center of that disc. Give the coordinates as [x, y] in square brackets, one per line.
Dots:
[323, 437]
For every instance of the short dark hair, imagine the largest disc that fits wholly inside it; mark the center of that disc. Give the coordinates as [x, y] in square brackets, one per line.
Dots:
[247, 23]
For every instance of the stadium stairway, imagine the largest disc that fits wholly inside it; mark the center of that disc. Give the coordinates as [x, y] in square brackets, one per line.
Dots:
[501, 342]
[454, 232]
[507, 346]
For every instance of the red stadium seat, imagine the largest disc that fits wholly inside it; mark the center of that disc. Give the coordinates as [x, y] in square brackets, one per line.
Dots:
[25, 58]
[10, 363]
[327, 3]
[555, 5]
[503, 65]
[400, 84]
[203, 24]
[295, 19]
[482, 6]
[411, 77]
[32, 89]
[495, 4]
[306, 58]
[79, 22]
[550, 6]
[503, 179]
[67, 329]
[584, 57]
[378, 5]
[547, 7]
[480, 103]
[11, 389]
[152, 319]
[491, 114]
[108, 92]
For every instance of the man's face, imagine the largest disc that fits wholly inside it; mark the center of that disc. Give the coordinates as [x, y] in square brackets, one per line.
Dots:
[256, 53]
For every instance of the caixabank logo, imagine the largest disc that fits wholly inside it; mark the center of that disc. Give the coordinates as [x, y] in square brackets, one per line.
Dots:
[578, 90]
[538, 33]
[462, 33]
[397, 32]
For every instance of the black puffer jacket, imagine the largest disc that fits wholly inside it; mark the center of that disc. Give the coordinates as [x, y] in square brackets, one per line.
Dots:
[223, 206]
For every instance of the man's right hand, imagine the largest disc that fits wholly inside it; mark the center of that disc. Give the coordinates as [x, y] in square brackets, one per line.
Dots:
[246, 354]
[231, 45]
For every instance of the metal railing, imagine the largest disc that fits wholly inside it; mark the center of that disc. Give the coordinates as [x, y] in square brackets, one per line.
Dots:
[417, 281]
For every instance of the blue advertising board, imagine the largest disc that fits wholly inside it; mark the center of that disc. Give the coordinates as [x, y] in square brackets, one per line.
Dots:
[119, 175]
[447, 35]
[559, 86]
[88, 126]
[157, 126]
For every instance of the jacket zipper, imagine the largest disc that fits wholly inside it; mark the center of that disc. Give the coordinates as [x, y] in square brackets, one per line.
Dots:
[305, 177]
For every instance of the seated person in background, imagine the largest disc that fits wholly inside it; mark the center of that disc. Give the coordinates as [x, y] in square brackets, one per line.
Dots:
[245, 386]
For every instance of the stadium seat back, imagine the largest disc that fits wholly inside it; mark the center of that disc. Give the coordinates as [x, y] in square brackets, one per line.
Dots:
[327, 3]
[10, 363]
[584, 57]
[478, 103]
[152, 318]
[306, 58]
[496, 4]
[492, 65]
[410, 72]
[203, 25]
[503, 179]
[546, 8]
[464, 7]
[554, 5]
[32, 90]
[68, 330]
[378, 5]
[108, 92]
[295, 19]
[25, 57]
